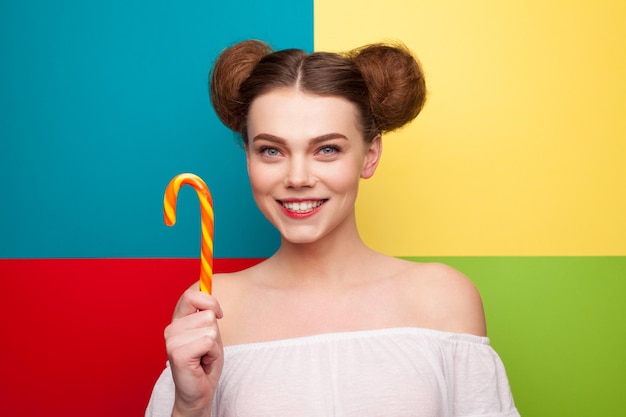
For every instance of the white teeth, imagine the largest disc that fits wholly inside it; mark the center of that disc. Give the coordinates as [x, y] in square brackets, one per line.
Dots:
[303, 206]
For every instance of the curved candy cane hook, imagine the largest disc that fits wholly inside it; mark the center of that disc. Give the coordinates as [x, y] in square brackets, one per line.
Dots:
[206, 212]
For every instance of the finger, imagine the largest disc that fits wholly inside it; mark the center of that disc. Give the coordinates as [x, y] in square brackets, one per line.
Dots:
[193, 300]
[186, 350]
[198, 320]
[213, 354]
[199, 337]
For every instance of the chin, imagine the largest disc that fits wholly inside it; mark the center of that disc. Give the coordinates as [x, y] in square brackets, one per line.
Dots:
[301, 237]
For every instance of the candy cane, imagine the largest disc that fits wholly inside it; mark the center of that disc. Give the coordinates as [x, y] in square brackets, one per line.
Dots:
[206, 212]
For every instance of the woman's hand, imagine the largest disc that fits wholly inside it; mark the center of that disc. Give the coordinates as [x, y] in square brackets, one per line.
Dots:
[195, 352]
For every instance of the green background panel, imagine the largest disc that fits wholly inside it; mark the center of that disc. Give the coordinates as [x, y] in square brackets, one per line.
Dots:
[558, 325]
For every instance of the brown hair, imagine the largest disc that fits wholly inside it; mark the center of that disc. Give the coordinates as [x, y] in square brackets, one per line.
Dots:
[384, 81]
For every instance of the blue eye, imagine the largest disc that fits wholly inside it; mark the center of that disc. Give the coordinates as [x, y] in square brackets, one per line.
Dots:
[328, 150]
[269, 151]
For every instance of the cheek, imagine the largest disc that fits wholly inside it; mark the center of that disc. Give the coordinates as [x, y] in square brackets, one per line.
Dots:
[256, 181]
[260, 179]
[343, 176]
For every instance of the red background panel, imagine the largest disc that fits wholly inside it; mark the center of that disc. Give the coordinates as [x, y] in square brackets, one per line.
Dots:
[84, 337]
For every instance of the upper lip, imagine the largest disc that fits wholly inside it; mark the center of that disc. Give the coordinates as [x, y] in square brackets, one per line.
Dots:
[299, 200]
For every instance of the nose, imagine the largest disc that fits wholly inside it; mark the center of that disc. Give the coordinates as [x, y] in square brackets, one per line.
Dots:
[299, 174]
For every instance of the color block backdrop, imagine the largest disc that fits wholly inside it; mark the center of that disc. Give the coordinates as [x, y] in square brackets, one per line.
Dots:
[515, 173]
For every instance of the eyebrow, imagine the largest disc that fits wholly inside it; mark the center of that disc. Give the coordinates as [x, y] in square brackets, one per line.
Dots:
[314, 141]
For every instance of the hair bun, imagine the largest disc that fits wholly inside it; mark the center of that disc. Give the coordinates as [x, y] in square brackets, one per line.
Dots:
[231, 68]
[395, 82]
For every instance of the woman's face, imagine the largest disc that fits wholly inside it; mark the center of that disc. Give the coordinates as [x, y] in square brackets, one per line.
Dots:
[306, 155]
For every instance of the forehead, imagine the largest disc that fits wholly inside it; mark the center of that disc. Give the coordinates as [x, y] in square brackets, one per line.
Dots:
[290, 113]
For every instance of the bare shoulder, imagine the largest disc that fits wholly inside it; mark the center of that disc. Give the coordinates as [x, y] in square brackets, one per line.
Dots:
[236, 295]
[445, 298]
[227, 286]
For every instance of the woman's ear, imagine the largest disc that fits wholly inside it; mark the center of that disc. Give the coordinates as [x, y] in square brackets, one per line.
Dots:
[372, 157]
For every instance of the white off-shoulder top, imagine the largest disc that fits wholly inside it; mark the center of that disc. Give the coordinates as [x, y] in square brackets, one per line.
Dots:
[388, 372]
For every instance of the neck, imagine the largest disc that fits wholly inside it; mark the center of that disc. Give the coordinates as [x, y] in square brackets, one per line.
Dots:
[330, 260]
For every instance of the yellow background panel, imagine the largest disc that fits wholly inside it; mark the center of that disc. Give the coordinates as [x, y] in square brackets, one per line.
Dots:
[521, 148]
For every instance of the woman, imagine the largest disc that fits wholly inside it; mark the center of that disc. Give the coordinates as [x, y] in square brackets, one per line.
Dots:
[326, 326]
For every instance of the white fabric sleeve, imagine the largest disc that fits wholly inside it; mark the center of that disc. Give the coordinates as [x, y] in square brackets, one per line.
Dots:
[478, 384]
[162, 399]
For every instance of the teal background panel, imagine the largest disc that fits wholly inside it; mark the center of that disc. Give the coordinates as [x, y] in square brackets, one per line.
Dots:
[103, 103]
[558, 325]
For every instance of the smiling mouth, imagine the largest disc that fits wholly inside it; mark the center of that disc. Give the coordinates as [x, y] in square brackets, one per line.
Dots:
[302, 206]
